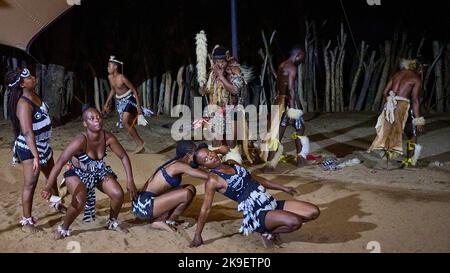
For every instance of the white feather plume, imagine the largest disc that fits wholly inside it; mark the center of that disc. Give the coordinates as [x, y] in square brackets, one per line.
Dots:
[202, 57]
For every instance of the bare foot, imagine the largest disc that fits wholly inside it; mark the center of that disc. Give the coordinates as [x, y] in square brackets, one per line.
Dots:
[267, 242]
[31, 229]
[162, 226]
[115, 225]
[120, 228]
[58, 235]
[277, 239]
[178, 224]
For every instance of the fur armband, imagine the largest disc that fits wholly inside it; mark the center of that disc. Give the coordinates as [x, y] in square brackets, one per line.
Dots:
[419, 121]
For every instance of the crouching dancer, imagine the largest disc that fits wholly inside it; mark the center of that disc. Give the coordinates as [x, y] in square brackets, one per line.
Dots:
[262, 213]
[86, 155]
[164, 198]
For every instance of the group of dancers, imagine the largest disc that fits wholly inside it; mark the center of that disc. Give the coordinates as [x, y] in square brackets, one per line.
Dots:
[164, 197]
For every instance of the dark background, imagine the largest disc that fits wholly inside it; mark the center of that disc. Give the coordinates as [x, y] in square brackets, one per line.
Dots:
[155, 36]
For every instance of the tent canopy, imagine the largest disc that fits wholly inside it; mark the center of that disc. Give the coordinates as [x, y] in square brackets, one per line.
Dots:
[22, 20]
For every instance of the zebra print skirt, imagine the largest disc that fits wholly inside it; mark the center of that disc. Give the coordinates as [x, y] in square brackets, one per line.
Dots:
[91, 180]
[21, 152]
[254, 208]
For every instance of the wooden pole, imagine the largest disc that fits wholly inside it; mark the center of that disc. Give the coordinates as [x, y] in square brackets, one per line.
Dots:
[437, 51]
[234, 30]
[327, 77]
[384, 76]
[333, 79]
[368, 71]
[362, 54]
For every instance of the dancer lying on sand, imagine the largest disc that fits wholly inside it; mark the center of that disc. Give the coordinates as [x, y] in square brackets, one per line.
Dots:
[262, 213]
[163, 198]
[86, 155]
[32, 131]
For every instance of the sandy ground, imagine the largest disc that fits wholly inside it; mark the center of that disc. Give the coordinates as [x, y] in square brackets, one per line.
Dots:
[362, 206]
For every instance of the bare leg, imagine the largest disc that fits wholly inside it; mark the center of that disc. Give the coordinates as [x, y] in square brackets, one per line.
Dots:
[290, 219]
[306, 211]
[279, 221]
[176, 201]
[78, 192]
[190, 193]
[111, 187]
[298, 146]
[29, 186]
[46, 170]
[410, 152]
[282, 130]
[410, 146]
[128, 122]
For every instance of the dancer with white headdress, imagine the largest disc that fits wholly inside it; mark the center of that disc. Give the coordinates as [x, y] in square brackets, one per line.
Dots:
[127, 103]
[32, 128]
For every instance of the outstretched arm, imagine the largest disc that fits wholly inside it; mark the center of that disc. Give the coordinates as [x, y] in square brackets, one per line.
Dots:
[74, 147]
[135, 93]
[117, 148]
[223, 150]
[273, 186]
[210, 190]
[197, 173]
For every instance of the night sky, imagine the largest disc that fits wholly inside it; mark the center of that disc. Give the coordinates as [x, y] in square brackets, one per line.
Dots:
[160, 34]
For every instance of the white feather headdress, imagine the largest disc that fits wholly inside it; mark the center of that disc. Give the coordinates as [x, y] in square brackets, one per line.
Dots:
[114, 60]
[408, 64]
[202, 57]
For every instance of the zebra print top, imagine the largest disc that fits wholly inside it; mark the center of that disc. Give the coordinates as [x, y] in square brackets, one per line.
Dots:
[41, 122]
[240, 184]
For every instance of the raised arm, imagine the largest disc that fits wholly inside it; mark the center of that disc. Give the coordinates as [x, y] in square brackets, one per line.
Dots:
[117, 148]
[75, 147]
[229, 86]
[273, 186]
[210, 190]
[135, 93]
[25, 116]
